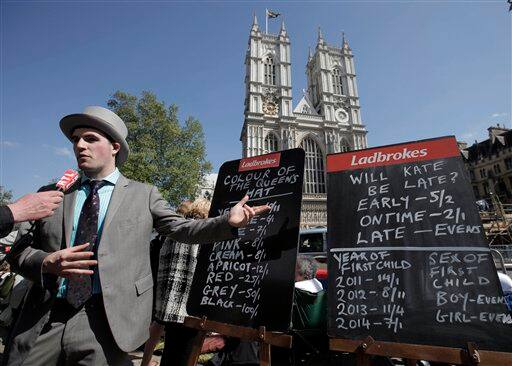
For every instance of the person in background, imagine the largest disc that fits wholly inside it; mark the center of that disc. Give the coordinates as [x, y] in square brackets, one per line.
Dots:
[238, 352]
[309, 307]
[33, 206]
[13, 288]
[157, 328]
[174, 279]
[305, 269]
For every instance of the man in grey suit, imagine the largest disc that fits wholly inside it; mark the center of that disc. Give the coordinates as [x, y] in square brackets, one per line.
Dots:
[91, 298]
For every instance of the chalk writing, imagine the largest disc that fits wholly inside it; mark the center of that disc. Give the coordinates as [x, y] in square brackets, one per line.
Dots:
[239, 279]
[408, 260]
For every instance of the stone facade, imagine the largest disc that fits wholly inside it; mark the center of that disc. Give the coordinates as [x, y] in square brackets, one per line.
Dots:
[489, 164]
[326, 120]
[207, 186]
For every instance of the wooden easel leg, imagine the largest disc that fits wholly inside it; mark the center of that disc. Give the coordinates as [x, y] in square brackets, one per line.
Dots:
[264, 354]
[196, 348]
[362, 359]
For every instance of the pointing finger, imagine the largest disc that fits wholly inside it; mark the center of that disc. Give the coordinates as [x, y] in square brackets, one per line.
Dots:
[250, 209]
[261, 209]
[243, 201]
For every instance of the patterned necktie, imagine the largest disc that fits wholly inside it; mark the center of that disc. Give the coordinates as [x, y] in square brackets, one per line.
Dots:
[80, 286]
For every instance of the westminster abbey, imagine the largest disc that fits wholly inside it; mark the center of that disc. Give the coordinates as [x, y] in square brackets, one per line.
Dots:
[327, 119]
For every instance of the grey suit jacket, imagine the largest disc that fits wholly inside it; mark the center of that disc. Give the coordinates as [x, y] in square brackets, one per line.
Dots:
[123, 261]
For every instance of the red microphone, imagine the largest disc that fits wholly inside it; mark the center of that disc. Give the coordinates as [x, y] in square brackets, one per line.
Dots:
[67, 180]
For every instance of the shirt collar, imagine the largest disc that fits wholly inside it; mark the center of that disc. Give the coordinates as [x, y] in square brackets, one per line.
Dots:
[111, 178]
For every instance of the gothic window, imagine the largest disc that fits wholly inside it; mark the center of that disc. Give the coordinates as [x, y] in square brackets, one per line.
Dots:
[486, 188]
[476, 191]
[345, 146]
[270, 71]
[314, 174]
[271, 144]
[336, 81]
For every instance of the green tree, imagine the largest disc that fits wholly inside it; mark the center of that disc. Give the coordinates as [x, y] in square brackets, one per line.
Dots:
[163, 152]
[5, 196]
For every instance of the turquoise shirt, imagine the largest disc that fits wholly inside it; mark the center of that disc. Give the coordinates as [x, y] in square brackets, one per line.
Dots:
[105, 193]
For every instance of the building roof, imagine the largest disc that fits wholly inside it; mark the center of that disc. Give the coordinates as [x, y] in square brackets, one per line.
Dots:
[499, 139]
[305, 106]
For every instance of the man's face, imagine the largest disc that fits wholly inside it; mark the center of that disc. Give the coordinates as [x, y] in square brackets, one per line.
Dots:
[93, 151]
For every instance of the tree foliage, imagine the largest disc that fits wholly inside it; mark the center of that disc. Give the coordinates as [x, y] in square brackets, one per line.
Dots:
[163, 152]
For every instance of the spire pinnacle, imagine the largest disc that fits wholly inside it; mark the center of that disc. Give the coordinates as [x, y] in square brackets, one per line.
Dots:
[282, 32]
[255, 23]
[310, 55]
[320, 36]
[344, 44]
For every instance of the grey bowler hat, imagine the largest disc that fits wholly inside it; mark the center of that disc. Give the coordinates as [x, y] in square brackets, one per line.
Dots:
[101, 119]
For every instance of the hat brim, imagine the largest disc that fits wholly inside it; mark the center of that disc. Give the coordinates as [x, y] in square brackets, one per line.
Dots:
[72, 121]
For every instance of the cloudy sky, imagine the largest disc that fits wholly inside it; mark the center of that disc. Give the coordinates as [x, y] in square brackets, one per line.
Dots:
[424, 68]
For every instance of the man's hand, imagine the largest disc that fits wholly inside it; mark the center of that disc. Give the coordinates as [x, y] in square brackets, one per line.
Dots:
[70, 261]
[35, 206]
[241, 214]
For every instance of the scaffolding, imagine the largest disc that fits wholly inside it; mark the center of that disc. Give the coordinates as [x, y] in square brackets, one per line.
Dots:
[497, 222]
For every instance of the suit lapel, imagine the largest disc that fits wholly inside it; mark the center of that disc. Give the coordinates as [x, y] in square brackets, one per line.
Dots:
[117, 198]
[69, 209]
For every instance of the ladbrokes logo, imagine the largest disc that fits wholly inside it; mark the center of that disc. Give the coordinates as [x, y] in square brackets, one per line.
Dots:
[380, 157]
[260, 162]
[409, 152]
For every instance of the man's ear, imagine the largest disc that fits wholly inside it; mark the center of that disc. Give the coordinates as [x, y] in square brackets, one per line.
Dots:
[116, 146]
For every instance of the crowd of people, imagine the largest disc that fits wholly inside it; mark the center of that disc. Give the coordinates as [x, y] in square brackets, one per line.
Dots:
[85, 255]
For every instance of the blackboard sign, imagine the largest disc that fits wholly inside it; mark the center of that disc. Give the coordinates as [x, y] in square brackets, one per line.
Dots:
[408, 260]
[249, 280]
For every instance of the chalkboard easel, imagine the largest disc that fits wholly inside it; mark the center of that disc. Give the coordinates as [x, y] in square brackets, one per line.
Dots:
[399, 298]
[458, 356]
[261, 335]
